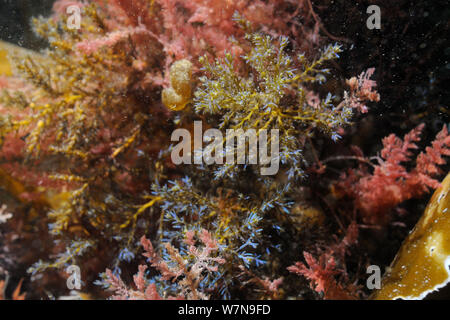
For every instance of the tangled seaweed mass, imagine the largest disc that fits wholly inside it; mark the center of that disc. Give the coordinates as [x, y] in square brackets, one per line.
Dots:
[86, 142]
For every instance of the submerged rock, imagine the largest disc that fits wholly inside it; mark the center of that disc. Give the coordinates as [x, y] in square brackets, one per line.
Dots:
[422, 264]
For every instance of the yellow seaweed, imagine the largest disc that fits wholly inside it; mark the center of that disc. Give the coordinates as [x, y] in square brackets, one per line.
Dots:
[422, 264]
[8, 50]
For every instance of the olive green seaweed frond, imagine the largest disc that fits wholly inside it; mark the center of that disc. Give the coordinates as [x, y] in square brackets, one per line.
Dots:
[272, 95]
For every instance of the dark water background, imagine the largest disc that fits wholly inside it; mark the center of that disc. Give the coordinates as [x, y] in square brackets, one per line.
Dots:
[15, 17]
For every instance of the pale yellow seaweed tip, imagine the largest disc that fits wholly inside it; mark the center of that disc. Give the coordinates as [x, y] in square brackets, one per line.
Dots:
[8, 50]
[178, 95]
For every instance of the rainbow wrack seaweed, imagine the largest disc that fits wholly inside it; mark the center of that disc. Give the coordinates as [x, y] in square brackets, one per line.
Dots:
[92, 116]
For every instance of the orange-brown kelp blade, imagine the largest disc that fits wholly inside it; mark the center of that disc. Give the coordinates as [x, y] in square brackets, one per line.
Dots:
[422, 264]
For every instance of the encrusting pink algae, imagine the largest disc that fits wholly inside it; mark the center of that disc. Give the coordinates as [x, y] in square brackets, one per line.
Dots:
[86, 145]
